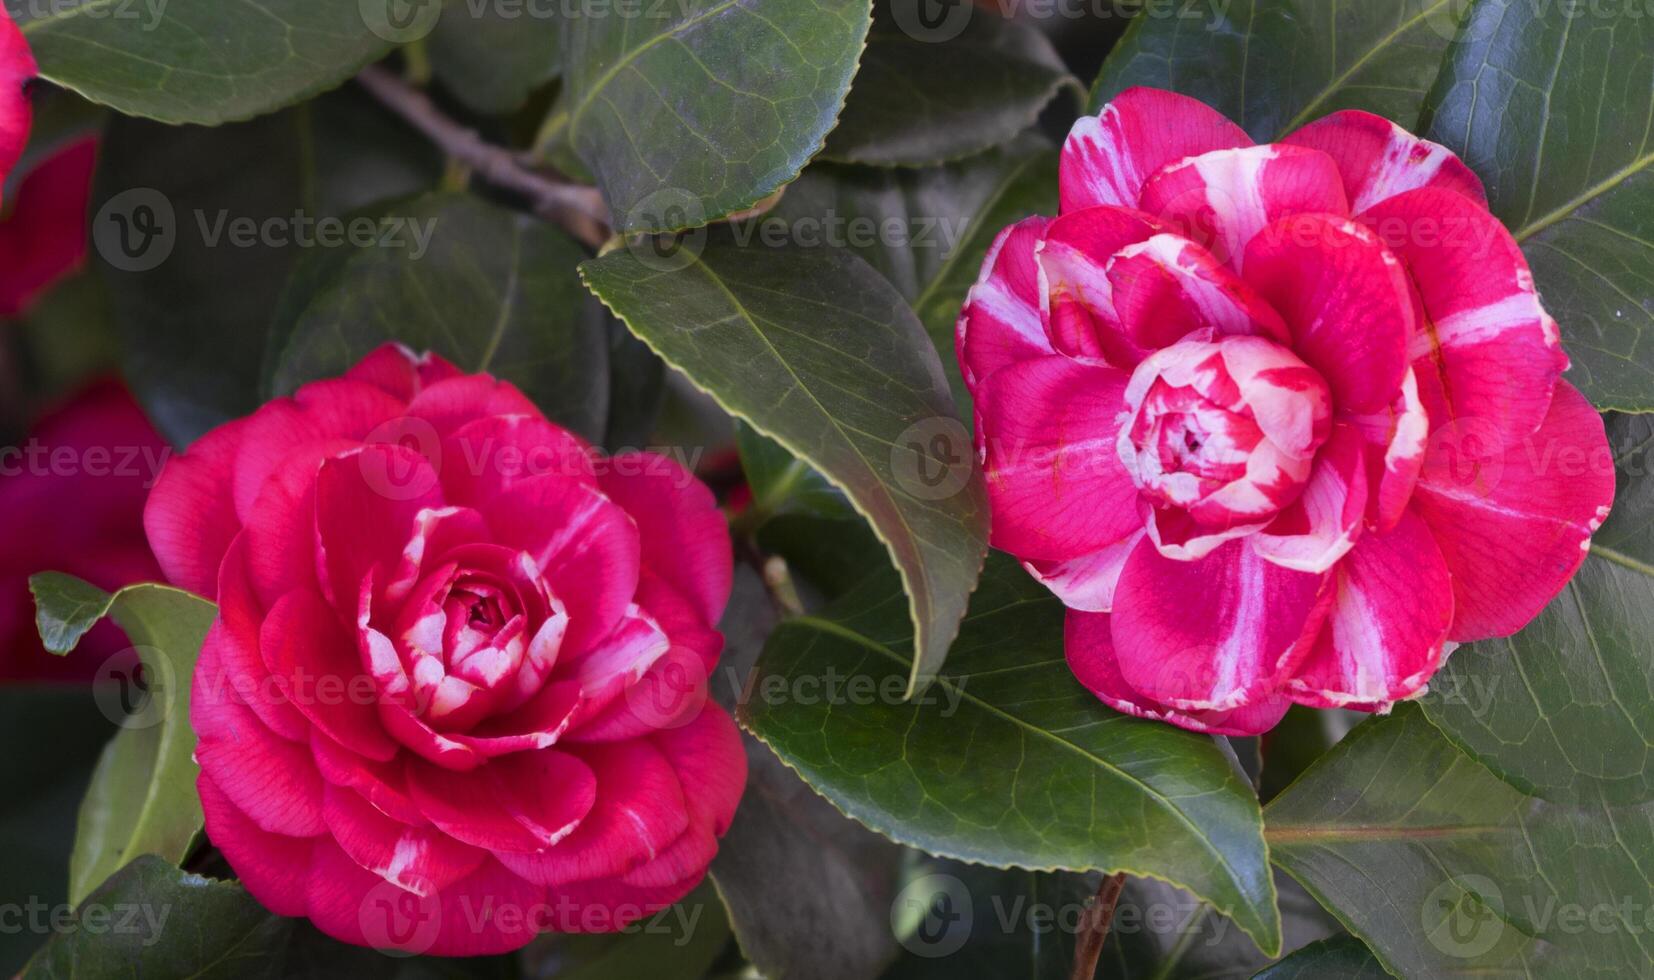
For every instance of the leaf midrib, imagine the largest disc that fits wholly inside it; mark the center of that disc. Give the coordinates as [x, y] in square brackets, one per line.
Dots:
[1361, 62]
[844, 632]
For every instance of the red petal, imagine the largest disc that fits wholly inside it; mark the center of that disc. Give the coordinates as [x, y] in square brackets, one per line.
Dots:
[684, 536]
[43, 240]
[1076, 294]
[1485, 336]
[449, 404]
[1168, 287]
[316, 668]
[1383, 638]
[400, 372]
[1395, 452]
[273, 867]
[1086, 582]
[1213, 634]
[493, 454]
[366, 504]
[521, 802]
[1000, 323]
[380, 783]
[1108, 157]
[609, 904]
[1088, 643]
[1057, 489]
[1378, 159]
[234, 639]
[1345, 299]
[1223, 199]
[711, 764]
[420, 859]
[1514, 527]
[1321, 526]
[640, 810]
[16, 67]
[189, 518]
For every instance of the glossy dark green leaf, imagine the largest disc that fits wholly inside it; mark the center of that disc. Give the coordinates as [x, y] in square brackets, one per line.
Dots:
[637, 387]
[926, 231]
[494, 55]
[153, 919]
[1444, 870]
[201, 61]
[784, 834]
[1550, 104]
[489, 289]
[917, 101]
[1006, 760]
[1339, 958]
[193, 299]
[814, 350]
[1564, 709]
[1274, 65]
[697, 109]
[142, 798]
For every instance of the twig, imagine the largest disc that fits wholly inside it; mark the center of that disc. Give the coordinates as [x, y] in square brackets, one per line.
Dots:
[578, 208]
[1094, 925]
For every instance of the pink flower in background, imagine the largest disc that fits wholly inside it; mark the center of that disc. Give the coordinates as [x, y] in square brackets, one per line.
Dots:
[74, 494]
[1277, 423]
[442, 706]
[43, 237]
[17, 69]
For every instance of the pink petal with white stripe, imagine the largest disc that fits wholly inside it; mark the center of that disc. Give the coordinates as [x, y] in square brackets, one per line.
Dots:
[1395, 440]
[1076, 294]
[1322, 525]
[1345, 299]
[1047, 435]
[1108, 157]
[1485, 335]
[380, 783]
[1515, 527]
[366, 504]
[1222, 200]
[315, 666]
[492, 454]
[1168, 287]
[1215, 634]
[1088, 643]
[1087, 582]
[401, 372]
[519, 803]
[1378, 159]
[1000, 322]
[421, 859]
[1383, 638]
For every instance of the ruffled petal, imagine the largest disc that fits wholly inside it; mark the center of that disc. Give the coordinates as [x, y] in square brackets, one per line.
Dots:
[521, 803]
[1395, 440]
[274, 868]
[234, 639]
[313, 660]
[1492, 351]
[707, 754]
[17, 66]
[1168, 287]
[1075, 291]
[1379, 159]
[1088, 643]
[1087, 582]
[1048, 434]
[491, 455]
[1383, 637]
[421, 859]
[189, 518]
[451, 403]
[1322, 525]
[1000, 322]
[1214, 634]
[1108, 157]
[366, 503]
[1222, 200]
[684, 536]
[1345, 299]
[1514, 528]
[382, 784]
[400, 372]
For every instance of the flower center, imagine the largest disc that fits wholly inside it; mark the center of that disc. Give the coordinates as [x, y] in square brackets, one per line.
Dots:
[1220, 434]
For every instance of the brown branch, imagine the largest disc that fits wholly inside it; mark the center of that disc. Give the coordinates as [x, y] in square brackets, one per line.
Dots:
[1094, 925]
[577, 208]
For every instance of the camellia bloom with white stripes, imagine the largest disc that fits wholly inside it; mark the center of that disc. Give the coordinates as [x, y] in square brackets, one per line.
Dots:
[1277, 423]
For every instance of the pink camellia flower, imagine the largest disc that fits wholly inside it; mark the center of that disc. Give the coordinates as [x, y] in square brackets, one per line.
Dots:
[43, 238]
[1277, 423]
[17, 69]
[74, 493]
[443, 704]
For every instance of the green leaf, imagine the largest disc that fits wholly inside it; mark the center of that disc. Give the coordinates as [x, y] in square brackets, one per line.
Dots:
[194, 308]
[1564, 710]
[784, 834]
[1006, 760]
[142, 797]
[1339, 958]
[1444, 870]
[926, 231]
[200, 61]
[781, 483]
[494, 55]
[489, 289]
[681, 940]
[916, 102]
[153, 919]
[1550, 104]
[816, 351]
[1274, 65]
[707, 108]
[831, 555]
